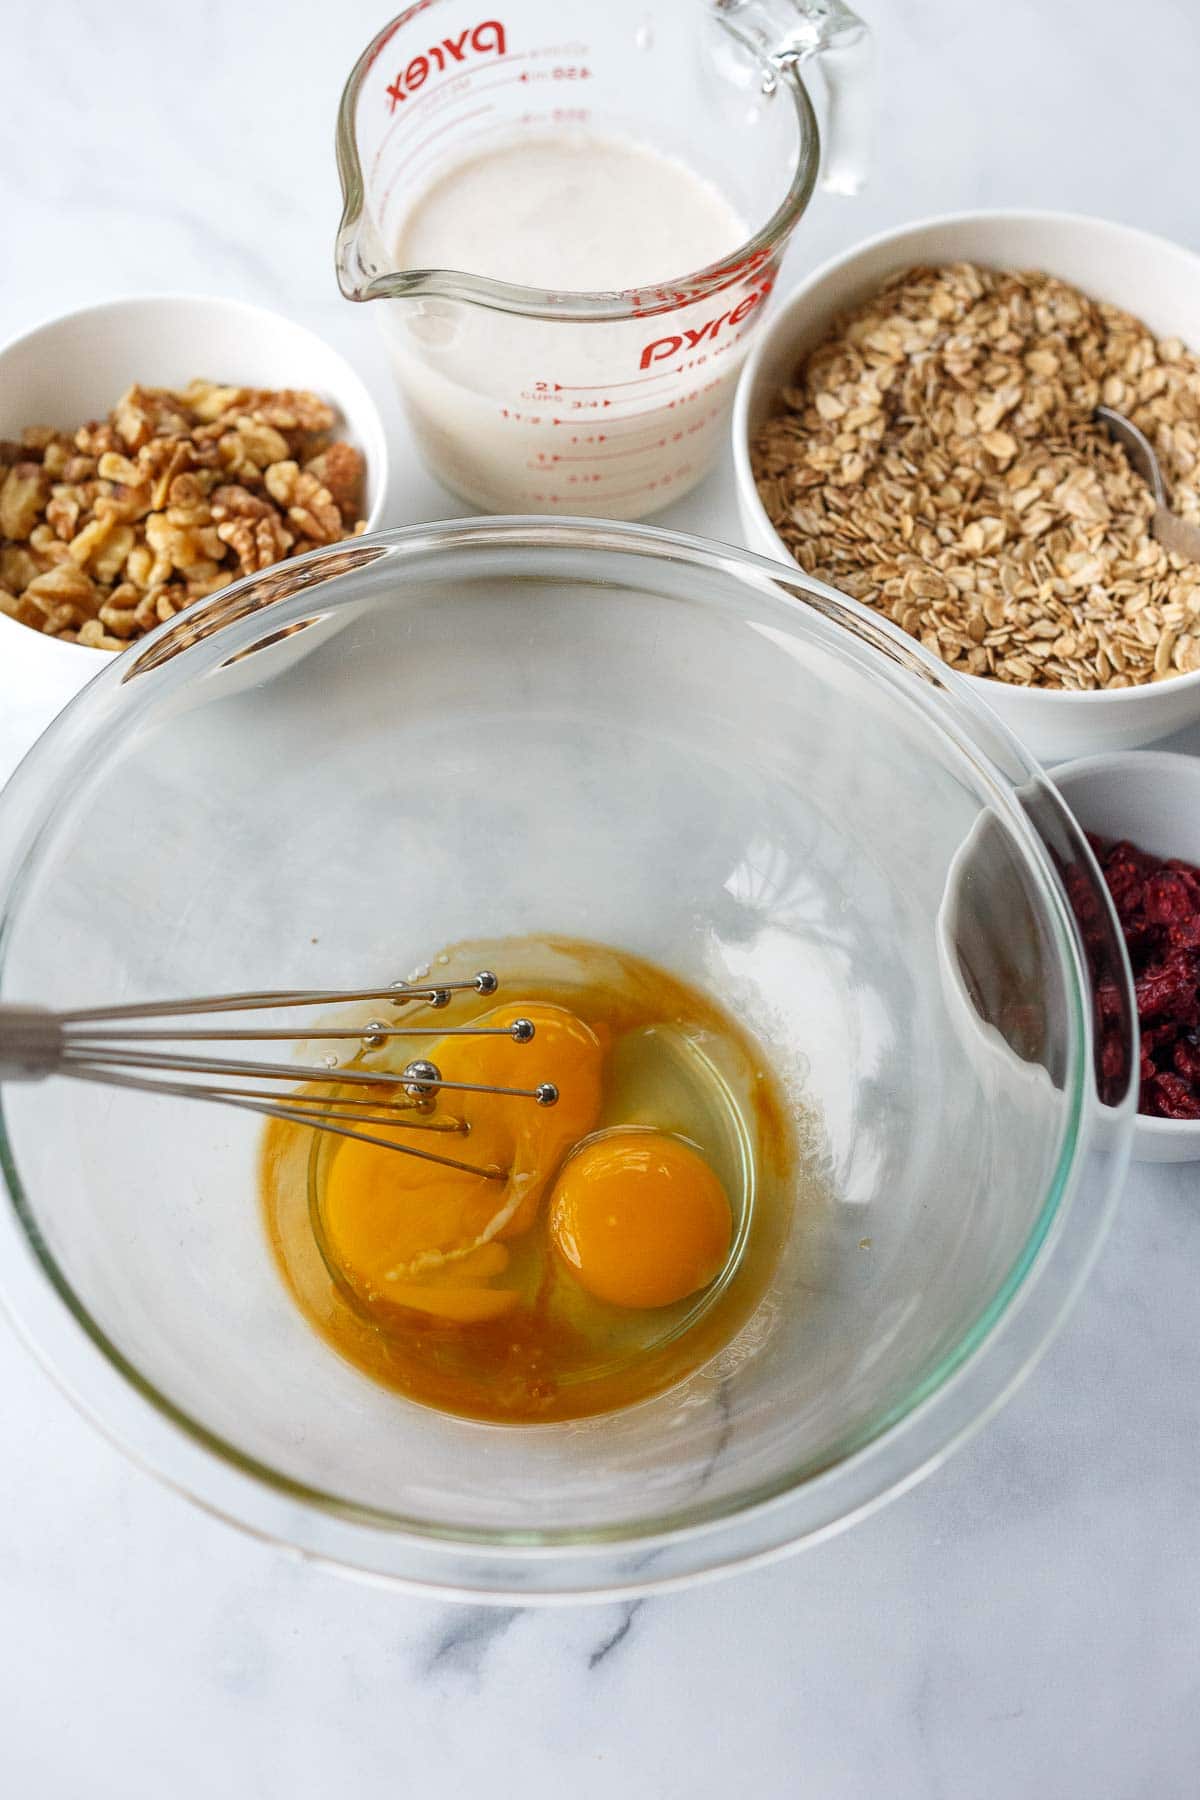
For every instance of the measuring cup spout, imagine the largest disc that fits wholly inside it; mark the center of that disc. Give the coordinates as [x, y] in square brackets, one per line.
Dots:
[787, 34]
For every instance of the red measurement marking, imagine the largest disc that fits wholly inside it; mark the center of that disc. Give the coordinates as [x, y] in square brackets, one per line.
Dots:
[601, 387]
[647, 412]
[450, 125]
[416, 169]
[437, 102]
[562, 74]
[630, 447]
[436, 99]
[650, 487]
[485, 87]
[619, 418]
[639, 449]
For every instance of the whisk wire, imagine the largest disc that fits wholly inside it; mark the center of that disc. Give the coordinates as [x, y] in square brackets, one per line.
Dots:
[396, 993]
[92, 1044]
[374, 1030]
[295, 1116]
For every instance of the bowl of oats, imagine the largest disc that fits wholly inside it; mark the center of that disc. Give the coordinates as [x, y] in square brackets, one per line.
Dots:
[917, 429]
[153, 450]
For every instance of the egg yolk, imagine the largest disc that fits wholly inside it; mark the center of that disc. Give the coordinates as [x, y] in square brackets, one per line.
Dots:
[640, 1218]
[416, 1234]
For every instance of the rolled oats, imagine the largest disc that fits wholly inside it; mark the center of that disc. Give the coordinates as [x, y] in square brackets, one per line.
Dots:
[113, 529]
[937, 457]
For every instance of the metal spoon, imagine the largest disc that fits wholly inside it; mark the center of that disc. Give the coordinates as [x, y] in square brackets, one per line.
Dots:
[1172, 532]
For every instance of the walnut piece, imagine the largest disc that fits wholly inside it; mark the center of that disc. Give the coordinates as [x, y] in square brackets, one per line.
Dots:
[260, 444]
[22, 498]
[310, 507]
[257, 543]
[292, 410]
[65, 585]
[235, 502]
[340, 468]
[62, 512]
[18, 567]
[110, 530]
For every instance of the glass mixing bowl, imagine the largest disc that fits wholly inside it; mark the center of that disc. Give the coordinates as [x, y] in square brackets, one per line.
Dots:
[326, 773]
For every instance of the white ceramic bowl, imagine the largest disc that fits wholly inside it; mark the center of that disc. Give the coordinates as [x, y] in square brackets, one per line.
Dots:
[1153, 799]
[76, 367]
[1157, 280]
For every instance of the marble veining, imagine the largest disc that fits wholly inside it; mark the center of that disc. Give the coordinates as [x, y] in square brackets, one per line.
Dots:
[461, 1646]
[1027, 1621]
[615, 1638]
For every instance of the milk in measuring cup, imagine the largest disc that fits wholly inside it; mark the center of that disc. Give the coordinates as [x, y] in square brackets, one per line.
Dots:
[577, 212]
[612, 417]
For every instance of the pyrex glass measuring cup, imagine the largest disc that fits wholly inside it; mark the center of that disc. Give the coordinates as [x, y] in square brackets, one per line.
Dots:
[524, 399]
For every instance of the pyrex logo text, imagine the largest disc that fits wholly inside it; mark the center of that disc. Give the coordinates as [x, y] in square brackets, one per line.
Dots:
[487, 36]
[664, 348]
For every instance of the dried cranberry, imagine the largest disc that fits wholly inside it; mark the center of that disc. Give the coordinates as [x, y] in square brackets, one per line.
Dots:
[1108, 999]
[1187, 1060]
[1122, 850]
[1124, 856]
[1173, 1098]
[1165, 987]
[1112, 1057]
[1158, 903]
[1168, 900]
[1160, 1036]
[1142, 940]
[1185, 933]
[1128, 889]
[1189, 872]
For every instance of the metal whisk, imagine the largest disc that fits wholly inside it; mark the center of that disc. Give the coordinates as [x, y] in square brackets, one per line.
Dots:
[114, 1045]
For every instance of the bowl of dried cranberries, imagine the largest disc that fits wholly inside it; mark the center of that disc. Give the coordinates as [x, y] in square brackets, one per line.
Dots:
[1141, 811]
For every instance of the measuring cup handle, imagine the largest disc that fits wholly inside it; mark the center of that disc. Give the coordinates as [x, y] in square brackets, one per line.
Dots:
[788, 33]
[847, 65]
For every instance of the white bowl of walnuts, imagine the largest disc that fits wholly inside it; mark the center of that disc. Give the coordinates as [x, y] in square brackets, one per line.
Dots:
[152, 450]
[916, 428]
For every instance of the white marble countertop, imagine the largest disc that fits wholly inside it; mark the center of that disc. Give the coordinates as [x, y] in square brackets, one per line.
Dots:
[1025, 1623]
